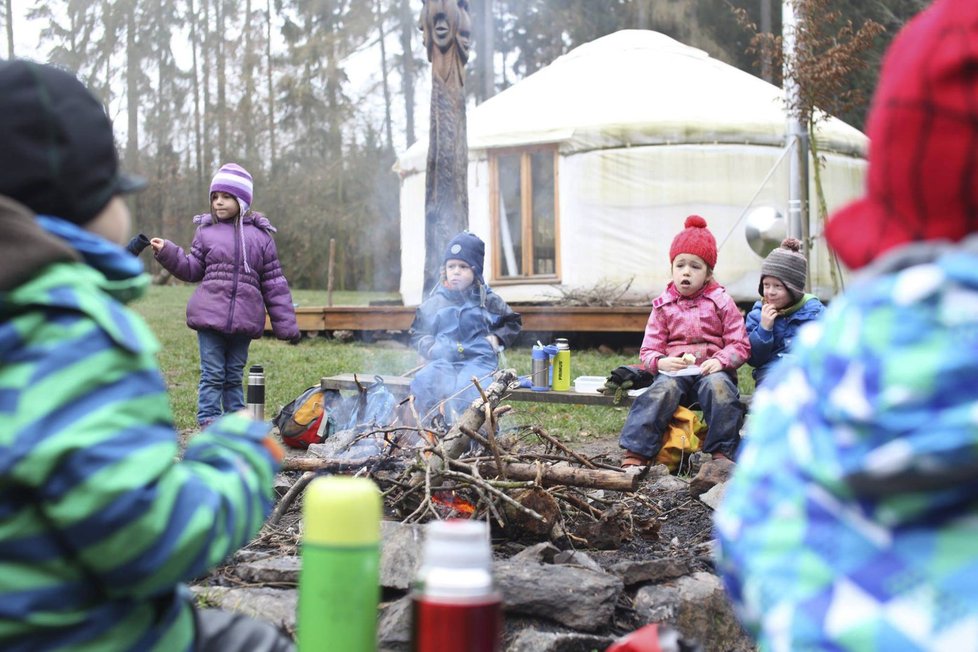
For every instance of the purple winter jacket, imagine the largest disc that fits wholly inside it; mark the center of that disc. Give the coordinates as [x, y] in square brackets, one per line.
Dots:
[240, 276]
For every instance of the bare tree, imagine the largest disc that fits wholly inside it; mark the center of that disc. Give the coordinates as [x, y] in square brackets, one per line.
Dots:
[249, 62]
[221, 108]
[388, 126]
[8, 6]
[196, 82]
[827, 53]
[408, 72]
[272, 151]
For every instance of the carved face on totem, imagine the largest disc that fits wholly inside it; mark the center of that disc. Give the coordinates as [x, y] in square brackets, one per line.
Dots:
[444, 23]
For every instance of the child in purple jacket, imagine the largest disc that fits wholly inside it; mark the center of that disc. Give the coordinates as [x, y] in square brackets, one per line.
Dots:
[694, 342]
[233, 256]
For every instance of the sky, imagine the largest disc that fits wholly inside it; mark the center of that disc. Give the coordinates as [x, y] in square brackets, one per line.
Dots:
[363, 71]
[25, 32]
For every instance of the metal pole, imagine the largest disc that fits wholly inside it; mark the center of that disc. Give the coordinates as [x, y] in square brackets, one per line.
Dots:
[797, 133]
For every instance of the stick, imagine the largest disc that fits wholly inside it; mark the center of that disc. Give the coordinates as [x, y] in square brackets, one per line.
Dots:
[290, 496]
[556, 442]
[329, 275]
[556, 475]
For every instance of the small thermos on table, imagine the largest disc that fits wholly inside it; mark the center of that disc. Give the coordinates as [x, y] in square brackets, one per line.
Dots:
[551, 366]
[540, 373]
[562, 370]
[256, 392]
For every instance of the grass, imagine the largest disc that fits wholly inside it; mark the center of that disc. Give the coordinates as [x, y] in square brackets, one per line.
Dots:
[291, 369]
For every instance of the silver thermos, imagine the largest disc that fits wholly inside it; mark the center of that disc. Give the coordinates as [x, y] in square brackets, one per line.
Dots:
[256, 392]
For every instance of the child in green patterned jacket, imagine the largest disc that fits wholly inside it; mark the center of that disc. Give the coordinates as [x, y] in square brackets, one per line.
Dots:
[99, 521]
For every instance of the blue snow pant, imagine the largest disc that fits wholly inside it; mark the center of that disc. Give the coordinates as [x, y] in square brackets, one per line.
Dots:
[441, 380]
[718, 397]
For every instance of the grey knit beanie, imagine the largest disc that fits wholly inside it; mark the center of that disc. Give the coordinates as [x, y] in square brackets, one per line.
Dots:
[788, 265]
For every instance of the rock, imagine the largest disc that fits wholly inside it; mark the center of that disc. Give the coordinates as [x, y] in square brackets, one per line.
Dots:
[278, 570]
[539, 553]
[531, 640]
[713, 497]
[343, 335]
[712, 473]
[577, 558]
[576, 597]
[609, 531]
[668, 483]
[276, 606]
[400, 553]
[697, 606]
[394, 626]
[652, 570]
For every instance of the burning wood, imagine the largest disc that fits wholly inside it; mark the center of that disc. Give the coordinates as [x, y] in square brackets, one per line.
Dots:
[470, 472]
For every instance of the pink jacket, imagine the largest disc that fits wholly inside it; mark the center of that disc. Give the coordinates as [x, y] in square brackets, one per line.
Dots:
[707, 324]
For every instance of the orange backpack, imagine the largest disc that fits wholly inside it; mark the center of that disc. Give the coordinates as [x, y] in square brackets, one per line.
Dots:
[681, 439]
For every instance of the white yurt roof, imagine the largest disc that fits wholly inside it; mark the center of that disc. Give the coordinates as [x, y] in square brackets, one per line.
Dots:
[636, 87]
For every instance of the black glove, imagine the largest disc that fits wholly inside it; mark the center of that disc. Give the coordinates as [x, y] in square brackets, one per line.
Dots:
[623, 379]
[137, 244]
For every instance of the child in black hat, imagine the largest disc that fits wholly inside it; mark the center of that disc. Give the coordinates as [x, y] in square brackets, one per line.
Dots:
[783, 309]
[108, 521]
[460, 330]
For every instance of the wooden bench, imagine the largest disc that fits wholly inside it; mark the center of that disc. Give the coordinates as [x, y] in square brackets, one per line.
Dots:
[400, 386]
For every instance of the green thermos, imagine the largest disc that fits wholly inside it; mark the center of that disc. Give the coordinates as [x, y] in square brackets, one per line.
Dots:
[561, 366]
[339, 587]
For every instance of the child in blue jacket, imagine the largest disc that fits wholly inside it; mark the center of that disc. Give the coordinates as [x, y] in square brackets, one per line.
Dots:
[460, 329]
[784, 307]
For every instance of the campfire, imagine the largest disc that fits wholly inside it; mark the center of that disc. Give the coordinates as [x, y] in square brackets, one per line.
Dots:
[584, 552]
[475, 469]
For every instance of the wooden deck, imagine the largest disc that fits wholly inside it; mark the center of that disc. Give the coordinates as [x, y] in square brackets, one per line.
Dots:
[563, 319]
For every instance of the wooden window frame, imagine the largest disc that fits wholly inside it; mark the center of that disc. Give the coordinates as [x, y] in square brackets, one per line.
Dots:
[526, 209]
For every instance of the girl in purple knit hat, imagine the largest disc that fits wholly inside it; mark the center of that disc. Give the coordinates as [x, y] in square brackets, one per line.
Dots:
[233, 256]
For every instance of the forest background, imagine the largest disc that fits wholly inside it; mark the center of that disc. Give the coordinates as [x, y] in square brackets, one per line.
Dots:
[316, 97]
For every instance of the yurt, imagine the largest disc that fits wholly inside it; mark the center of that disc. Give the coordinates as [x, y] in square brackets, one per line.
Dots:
[580, 174]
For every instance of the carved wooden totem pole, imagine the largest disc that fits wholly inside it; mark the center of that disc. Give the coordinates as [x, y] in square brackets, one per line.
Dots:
[447, 30]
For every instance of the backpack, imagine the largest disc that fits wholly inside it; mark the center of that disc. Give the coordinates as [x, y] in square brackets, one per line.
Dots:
[306, 419]
[681, 439]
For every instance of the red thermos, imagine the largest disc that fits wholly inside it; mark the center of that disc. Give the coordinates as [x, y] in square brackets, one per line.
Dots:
[454, 606]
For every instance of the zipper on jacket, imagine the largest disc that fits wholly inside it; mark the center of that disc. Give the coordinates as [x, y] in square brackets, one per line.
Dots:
[237, 265]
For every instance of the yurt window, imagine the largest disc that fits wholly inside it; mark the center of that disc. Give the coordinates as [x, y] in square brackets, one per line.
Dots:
[524, 214]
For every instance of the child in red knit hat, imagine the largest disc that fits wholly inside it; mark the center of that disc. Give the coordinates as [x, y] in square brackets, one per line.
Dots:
[694, 342]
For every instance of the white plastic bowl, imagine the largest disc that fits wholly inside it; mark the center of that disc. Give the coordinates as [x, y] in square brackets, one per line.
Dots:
[588, 384]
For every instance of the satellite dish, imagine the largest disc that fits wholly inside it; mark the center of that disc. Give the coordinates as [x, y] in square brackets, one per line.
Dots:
[765, 228]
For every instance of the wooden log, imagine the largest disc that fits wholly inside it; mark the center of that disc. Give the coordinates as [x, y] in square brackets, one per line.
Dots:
[565, 475]
[456, 443]
[329, 465]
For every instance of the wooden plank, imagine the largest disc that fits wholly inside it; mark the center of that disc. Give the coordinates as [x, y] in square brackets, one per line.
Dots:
[399, 386]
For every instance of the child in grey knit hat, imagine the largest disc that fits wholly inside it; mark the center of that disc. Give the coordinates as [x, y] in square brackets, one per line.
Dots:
[783, 309]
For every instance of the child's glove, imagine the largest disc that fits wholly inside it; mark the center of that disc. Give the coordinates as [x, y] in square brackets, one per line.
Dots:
[623, 379]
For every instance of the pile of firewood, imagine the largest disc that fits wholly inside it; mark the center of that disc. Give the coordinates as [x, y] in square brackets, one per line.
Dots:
[543, 491]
